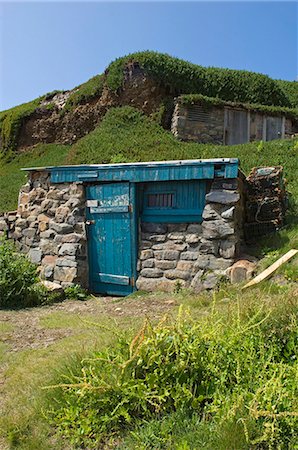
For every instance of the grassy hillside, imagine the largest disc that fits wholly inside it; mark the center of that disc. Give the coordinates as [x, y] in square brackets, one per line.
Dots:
[179, 76]
[126, 135]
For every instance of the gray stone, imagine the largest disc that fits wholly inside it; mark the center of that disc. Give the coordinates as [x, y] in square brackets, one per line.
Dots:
[61, 228]
[216, 229]
[209, 246]
[170, 255]
[47, 271]
[67, 274]
[53, 287]
[68, 249]
[211, 211]
[48, 247]
[157, 238]
[145, 245]
[29, 232]
[227, 249]
[241, 270]
[176, 236]
[61, 213]
[55, 194]
[224, 197]
[148, 263]
[154, 228]
[210, 281]
[192, 238]
[195, 228]
[151, 273]
[157, 284]
[35, 255]
[196, 284]
[185, 265]
[202, 262]
[176, 227]
[225, 184]
[21, 223]
[192, 256]
[165, 265]
[67, 262]
[228, 214]
[170, 245]
[146, 254]
[48, 234]
[219, 263]
[3, 225]
[177, 274]
[71, 238]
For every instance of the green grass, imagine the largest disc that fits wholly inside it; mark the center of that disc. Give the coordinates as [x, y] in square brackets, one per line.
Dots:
[12, 178]
[85, 92]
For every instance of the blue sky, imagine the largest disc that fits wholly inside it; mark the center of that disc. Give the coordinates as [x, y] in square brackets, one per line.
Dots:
[55, 45]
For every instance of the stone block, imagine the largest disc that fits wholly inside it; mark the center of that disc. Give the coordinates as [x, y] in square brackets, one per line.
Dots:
[190, 256]
[61, 228]
[169, 245]
[185, 265]
[157, 238]
[177, 227]
[219, 263]
[209, 246]
[69, 249]
[61, 214]
[216, 229]
[223, 197]
[170, 255]
[145, 244]
[35, 255]
[229, 213]
[202, 262]
[177, 274]
[146, 254]
[210, 280]
[71, 238]
[159, 228]
[211, 211]
[49, 260]
[66, 274]
[55, 194]
[165, 265]
[48, 234]
[29, 232]
[148, 263]
[151, 273]
[47, 272]
[67, 262]
[176, 236]
[53, 287]
[197, 284]
[3, 225]
[157, 284]
[194, 228]
[227, 249]
[192, 238]
[48, 247]
[21, 223]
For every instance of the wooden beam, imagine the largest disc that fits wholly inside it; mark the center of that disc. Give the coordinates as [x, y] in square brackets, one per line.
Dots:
[269, 271]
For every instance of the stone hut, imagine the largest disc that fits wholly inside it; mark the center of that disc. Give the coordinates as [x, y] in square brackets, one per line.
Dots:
[218, 122]
[120, 227]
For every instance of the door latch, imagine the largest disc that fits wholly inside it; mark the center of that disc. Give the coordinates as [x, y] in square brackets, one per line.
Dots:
[90, 222]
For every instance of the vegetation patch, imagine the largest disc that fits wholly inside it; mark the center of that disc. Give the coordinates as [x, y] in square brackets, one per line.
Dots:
[85, 92]
[11, 121]
[184, 77]
[291, 90]
[229, 368]
[190, 99]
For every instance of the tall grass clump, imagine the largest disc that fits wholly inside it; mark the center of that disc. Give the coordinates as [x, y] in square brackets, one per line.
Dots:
[18, 279]
[228, 371]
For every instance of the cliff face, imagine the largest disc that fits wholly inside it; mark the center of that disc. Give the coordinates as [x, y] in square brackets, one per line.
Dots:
[52, 122]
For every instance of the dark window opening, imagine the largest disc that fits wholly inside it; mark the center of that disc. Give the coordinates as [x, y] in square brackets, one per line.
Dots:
[160, 200]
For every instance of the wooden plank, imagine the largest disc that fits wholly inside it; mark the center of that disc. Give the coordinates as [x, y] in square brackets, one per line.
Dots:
[269, 271]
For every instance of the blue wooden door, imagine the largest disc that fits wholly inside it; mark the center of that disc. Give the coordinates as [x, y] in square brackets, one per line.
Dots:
[110, 238]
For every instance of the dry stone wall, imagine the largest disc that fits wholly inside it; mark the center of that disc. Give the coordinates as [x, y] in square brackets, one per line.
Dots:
[49, 226]
[193, 255]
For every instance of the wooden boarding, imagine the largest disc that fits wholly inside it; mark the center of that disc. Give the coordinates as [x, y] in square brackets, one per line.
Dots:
[266, 273]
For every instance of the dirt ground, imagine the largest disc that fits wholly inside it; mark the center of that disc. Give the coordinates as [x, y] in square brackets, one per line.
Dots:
[28, 333]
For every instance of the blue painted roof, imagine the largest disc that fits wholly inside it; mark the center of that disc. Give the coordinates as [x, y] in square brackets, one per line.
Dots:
[199, 169]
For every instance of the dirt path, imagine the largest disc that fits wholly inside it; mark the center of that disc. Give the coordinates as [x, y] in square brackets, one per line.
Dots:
[28, 333]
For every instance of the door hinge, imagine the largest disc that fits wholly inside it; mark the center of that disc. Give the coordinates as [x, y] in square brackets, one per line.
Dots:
[130, 208]
[132, 281]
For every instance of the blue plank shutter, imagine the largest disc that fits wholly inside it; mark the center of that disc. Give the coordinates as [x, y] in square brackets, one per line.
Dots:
[174, 202]
[110, 240]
